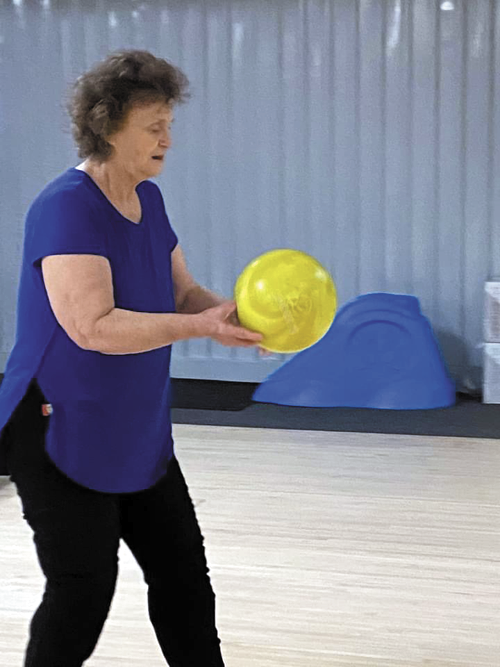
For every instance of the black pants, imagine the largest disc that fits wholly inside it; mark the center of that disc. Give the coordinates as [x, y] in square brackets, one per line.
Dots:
[77, 533]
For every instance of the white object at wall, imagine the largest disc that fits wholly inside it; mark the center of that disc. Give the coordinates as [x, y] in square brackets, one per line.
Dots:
[492, 311]
[491, 383]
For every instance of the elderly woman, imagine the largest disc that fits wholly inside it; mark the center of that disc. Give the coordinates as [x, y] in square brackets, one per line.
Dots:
[104, 292]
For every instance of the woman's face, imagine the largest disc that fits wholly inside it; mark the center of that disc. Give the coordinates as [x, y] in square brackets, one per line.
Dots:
[140, 146]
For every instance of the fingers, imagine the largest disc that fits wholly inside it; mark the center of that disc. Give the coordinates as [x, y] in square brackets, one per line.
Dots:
[237, 331]
[247, 335]
[233, 319]
[251, 339]
[228, 308]
[230, 331]
[239, 337]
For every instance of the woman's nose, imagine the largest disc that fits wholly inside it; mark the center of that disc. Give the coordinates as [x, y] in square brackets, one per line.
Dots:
[166, 142]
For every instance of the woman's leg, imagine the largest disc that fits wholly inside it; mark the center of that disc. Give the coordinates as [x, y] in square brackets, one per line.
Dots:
[76, 533]
[160, 527]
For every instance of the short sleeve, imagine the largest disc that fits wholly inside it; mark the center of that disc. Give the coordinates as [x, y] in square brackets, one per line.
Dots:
[171, 235]
[63, 223]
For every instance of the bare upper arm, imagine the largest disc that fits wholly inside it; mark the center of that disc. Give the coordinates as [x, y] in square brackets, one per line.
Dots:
[80, 292]
[183, 280]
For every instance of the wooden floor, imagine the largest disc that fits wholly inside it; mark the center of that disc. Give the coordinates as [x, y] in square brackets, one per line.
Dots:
[325, 550]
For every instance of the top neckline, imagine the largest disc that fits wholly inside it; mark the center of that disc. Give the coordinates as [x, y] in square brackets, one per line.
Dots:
[131, 222]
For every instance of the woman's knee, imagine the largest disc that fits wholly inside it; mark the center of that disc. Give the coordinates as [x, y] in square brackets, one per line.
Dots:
[88, 591]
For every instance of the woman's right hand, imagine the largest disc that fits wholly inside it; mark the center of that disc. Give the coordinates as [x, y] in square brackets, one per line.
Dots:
[220, 322]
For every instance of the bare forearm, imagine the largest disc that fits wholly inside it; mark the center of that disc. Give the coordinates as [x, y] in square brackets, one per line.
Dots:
[130, 332]
[199, 299]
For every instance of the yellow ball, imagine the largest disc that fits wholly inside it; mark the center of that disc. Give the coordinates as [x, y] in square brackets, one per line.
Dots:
[288, 297]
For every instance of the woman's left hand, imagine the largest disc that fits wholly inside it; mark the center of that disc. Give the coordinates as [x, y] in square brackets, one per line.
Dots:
[233, 319]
